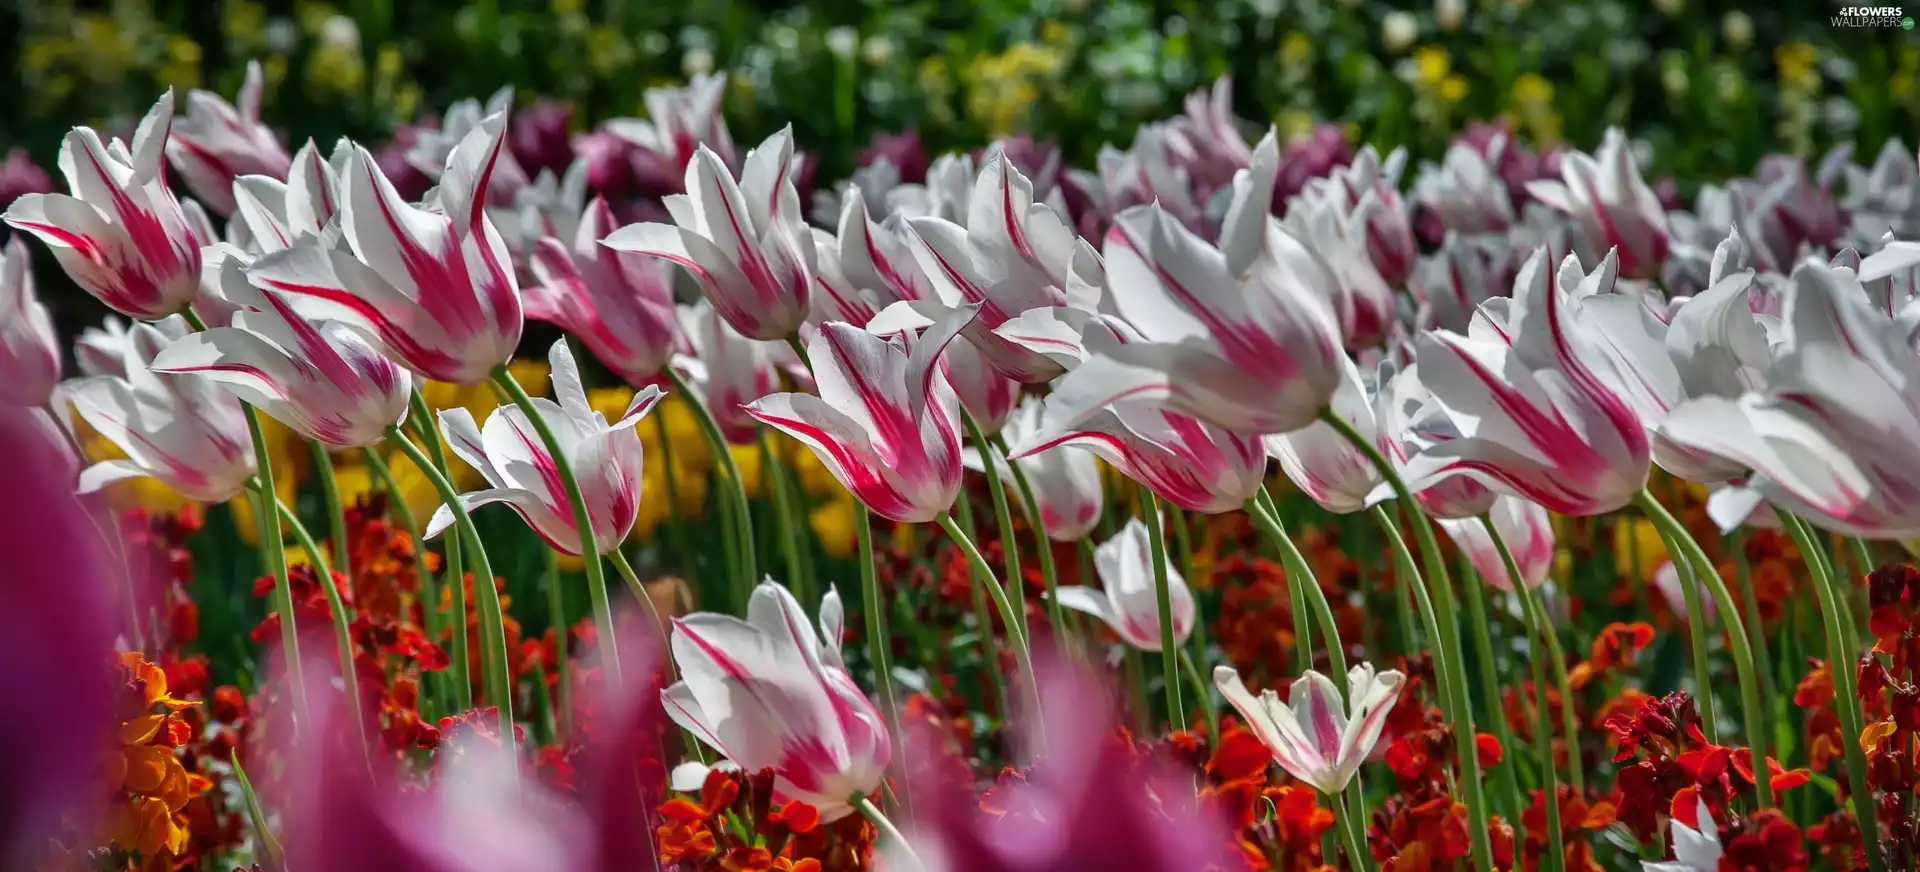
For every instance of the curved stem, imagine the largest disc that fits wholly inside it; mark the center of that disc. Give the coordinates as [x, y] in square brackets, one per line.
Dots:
[1163, 603]
[639, 590]
[1840, 665]
[1049, 573]
[421, 420]
[428, 595]
[1458, 711]
[1009, 546]
[1300, 576]
[1556, 659]
[582, 521]
[989, 660]
[336, 511]
[1357, 856]
[1697, 639]
[676, 527]
[1021, 655]
[1204, 694]
[499, 677]
[275, 551]
[783, 511]
[879, 638]
[562, 657]
[745, 572]
[1756, 719]
[1504, 771]
[1542, 719]
[887, 829]
[336, 610]
[1756, 631]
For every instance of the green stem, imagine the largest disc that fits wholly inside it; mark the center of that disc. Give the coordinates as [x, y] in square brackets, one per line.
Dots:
[1296, 569]
[499, 678]
[1357, 856]
[1163, 602]
[1009, 546]
[1542, 720]
[1458, 711]
[989, 659]
[1309, 597]
[619, 560]
[562, 665]
[1021, 655]
[1696, 637]
[582, 521]
[1203, 693]
[1556, 659]
[1049, 573]
[879, 639]
[1840, 665]
[274, 549]
[1756, 719]
[336, 511]
[676, 526]
[745, 573]
[336, 610]
[887, 829]
[1756, 630]
[783, 512]
[455, 575]
[1862, 554]
[429, 593]
[1504, 771]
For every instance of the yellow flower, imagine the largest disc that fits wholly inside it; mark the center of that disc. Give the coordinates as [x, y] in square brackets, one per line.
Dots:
[746, 458]
[1453, 89]
[1433, 64]
[832, 524]
[1639, 540]
[1296, 49]
[1797, 62]
[1002, 88]
[531, 375]
[181, 68]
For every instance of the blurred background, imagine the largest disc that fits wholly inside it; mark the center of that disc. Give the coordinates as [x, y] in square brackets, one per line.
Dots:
[1705, 88]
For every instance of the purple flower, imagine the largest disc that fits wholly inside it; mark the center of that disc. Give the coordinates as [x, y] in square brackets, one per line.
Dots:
[538, 136]
[903, 150]
[20, 175]
[1316, 156]
[407, 180]
[56, 637]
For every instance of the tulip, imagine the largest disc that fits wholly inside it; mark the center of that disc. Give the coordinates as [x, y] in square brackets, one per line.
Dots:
[746, 243]
[1243, 336]
[1322, 463]
[619, 304]
[986, 394]
[278, 215]
[1831, 437]
[1311, 737]
[1719, 348]
[902, 150]
[1192, 464]
[1339, 234]
[877, 256]
[947, 194]
[681, 120]
[1542, 415]
[1454, 281]
[1372, 191]
[1066, 482]
[767, 694]
[1612, 204]
[29, 348]
[1090, 803]
[730, 370]
[121, 236]
[1015, 255]
[436, 287]
[521, 472]
[57, 637]
[886, 424]
[1525, 527]
[180, 429]
[217, 143]
[1410, 421]
[1127, 600]
[1466, 190]
[1880, 200]
[1696, 848]
[20, 176]
[103, 350]
[324, 379]
[551, 206]
[432, 150]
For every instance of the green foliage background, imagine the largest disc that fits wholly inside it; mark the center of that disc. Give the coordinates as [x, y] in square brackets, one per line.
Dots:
[1711, 86]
